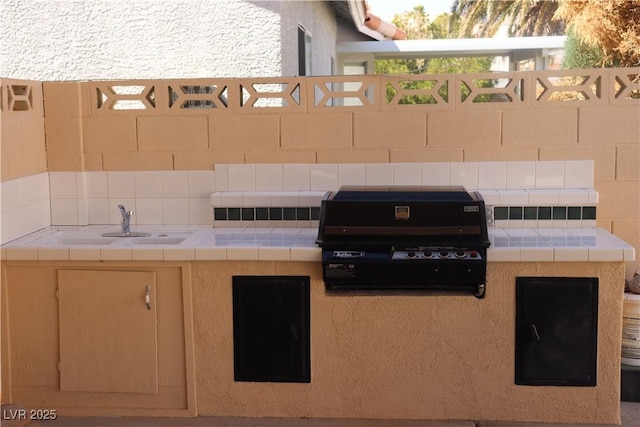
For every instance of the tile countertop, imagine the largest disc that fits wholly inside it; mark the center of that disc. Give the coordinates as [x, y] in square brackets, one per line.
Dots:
[202, 243]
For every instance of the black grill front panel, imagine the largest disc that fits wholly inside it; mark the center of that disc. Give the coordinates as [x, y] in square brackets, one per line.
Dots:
[399, 238]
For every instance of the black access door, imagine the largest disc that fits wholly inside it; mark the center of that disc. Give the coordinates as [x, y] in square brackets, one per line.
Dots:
[556, 331]
[271, 328]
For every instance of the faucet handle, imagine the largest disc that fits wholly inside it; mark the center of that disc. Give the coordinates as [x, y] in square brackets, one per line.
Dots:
[124, 211]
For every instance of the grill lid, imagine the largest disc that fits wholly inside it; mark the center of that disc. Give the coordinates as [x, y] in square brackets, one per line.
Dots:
[387, 216]
[405, 193]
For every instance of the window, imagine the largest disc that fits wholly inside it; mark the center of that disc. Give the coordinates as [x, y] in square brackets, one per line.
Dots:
[304, 52]
[355, 68]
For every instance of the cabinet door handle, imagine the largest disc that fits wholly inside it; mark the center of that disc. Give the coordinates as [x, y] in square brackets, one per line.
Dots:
[534, 332]
[147, 297]
[293, 330]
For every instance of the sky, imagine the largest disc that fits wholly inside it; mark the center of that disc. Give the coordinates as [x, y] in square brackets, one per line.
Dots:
[385, 9]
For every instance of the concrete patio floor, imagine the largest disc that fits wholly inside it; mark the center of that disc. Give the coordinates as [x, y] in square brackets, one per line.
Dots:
[630, 412]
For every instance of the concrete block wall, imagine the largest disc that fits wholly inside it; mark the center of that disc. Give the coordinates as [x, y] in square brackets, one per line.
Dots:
[344, 119]
[22, 138]
[24, 181]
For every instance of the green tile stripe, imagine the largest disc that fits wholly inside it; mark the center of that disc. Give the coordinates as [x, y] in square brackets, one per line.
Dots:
[298, 213]
[544, 213]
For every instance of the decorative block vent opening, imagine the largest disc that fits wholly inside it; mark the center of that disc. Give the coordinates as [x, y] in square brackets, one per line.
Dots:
[417, 91]
[126, 97]
[627, 86]
[491, 90]
[568, 88]
[343, 93]
[19, 98]
[198, 96]
[265, 95]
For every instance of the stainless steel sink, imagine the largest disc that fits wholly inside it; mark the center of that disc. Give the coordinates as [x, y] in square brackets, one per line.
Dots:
[74, 238]
[120, 234]
[83, 240]
[158, 240]
[115, 239]
[168, 238]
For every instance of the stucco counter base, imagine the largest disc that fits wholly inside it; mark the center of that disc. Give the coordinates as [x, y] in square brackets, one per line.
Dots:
[405, 356]
[433, 356]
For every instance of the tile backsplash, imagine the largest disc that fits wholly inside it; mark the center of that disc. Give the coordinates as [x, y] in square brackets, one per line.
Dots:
[162, 197]
[184, 197]
[571, 174]
[511, 187]
[25, 206]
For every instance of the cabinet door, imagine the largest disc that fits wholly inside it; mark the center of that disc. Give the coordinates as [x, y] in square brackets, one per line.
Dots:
[108, 337]
[556, 331]
[271, 328]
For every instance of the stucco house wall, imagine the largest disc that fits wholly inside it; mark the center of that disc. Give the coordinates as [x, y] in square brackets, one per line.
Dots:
[124, 39]
[318, 19]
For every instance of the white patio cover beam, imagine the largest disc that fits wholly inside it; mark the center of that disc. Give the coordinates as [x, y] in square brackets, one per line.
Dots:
[443, 48]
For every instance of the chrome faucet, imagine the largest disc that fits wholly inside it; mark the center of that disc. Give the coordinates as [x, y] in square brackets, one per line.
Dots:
[126, 226]
[126, 220]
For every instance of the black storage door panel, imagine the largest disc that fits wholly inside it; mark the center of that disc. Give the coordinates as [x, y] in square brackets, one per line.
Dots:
[556, 331]
[271, 328]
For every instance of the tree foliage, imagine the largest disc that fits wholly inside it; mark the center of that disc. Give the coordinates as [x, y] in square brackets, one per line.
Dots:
[611, 26]
[419, 27]
[578, 55]
[483, 18]
[603, 32]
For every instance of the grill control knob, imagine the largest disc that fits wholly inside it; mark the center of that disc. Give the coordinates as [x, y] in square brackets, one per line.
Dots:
[411, 254]
[473, 254]
[460, 254]
[428, 254]
[444, 254]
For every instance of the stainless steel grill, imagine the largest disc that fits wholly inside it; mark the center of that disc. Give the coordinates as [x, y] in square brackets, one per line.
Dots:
[404, 238]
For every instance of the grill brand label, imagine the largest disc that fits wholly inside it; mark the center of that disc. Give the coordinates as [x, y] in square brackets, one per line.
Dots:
[403, 212]
[472, 208]
[340, 271]
[348, 254]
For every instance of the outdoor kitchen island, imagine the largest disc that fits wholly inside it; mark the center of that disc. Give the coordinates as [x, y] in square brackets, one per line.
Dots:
[405, 355]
